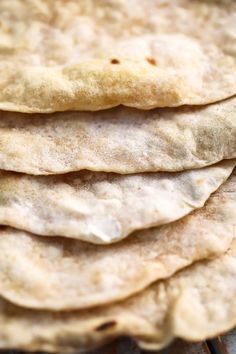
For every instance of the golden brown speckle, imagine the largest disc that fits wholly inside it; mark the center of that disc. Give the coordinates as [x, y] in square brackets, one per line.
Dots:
[115, 61]
[151, 61]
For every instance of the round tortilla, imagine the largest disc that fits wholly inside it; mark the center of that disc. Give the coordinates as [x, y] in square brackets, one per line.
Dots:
[91, 55]
[101, 207]
[120, 140]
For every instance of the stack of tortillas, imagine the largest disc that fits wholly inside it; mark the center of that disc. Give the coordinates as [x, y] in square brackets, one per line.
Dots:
[117, 142]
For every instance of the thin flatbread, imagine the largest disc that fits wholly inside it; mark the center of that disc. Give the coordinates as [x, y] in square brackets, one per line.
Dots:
[201, 301]
[62, 274]
[91, 55]
[104, 208]
[121, 140]
[195, 304]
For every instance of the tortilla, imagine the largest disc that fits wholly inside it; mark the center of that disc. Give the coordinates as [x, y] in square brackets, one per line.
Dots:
[62, 274]
[101, 207]
[195, 304]
[202, 302]
[119, 140]
[91, 55]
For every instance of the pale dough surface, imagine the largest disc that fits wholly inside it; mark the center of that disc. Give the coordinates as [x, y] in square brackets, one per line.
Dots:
[62, 274]
[103, 207]
[195, 304]
[121, 140]
[92, 55]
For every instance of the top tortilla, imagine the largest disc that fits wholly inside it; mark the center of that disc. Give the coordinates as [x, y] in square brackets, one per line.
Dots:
[91, 55]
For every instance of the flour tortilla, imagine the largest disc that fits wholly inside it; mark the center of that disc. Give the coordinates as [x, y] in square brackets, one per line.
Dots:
[195, 304]
[121, 140]
[101, 207]
[91, 55]
[62, 274]
[201, 301]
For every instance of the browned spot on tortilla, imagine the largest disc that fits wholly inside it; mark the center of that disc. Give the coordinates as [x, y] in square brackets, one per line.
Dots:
[115, 61]
[151, 61]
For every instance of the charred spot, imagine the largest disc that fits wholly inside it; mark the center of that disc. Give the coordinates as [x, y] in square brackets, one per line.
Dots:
[105, 326]
[151, 61]
[115, 61]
